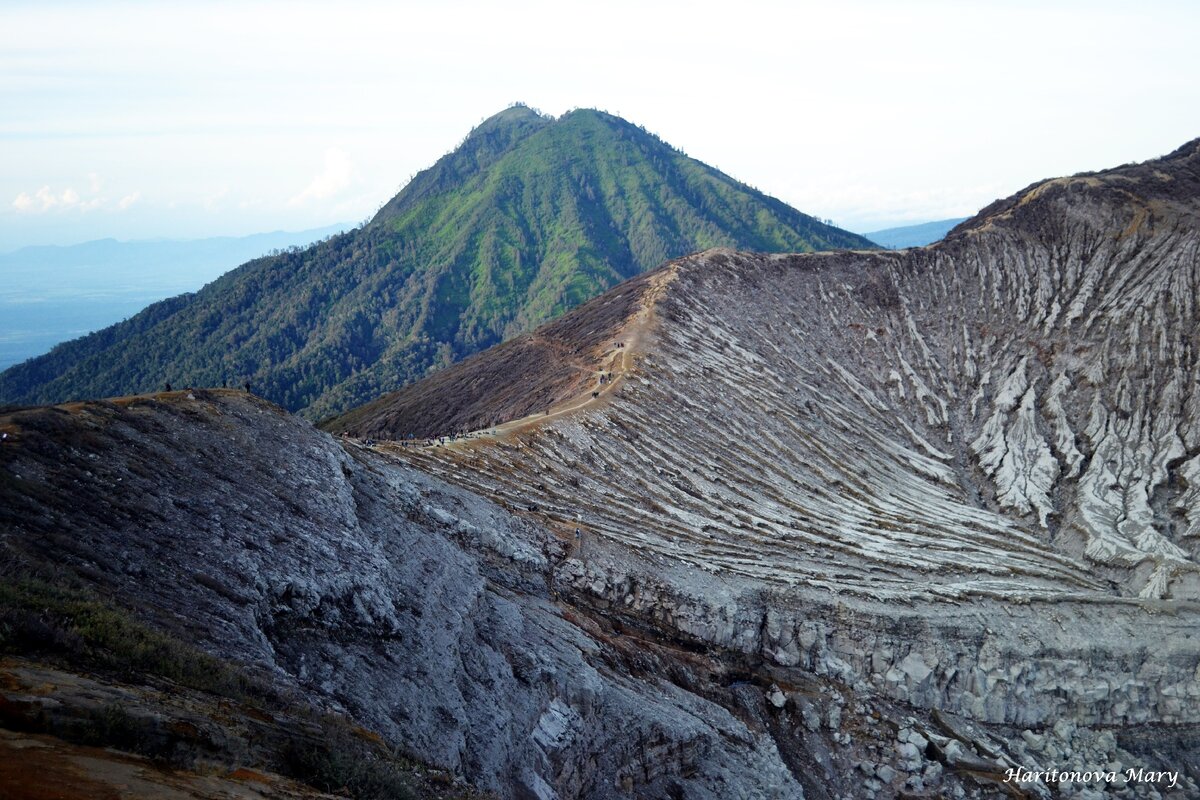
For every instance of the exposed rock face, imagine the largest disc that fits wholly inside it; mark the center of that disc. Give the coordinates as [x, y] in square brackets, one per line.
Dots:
[1023, 393]
[467, 636]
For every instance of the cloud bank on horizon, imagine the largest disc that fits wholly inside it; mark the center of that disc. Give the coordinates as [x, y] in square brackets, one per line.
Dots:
[137, 120]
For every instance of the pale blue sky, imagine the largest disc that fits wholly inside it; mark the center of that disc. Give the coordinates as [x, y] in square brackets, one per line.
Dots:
[138, 120]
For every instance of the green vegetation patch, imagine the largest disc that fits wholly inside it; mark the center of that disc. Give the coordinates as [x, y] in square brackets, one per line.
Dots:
[40, 616]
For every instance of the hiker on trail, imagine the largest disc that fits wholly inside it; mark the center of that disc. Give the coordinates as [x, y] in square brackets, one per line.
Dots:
[595, 395]
[224, 383]
[168, 386]
[247, 387]
[578, 533]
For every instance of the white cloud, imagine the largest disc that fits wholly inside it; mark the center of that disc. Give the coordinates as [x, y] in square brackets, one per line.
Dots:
[23, 202]
[335, 177]
[46, 199]
[217, 200]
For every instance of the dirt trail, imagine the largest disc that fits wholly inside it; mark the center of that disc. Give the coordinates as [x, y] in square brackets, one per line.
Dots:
[617, 359]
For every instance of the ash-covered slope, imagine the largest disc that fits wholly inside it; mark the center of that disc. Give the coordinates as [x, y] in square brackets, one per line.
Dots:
[480, 642]
[962, 476]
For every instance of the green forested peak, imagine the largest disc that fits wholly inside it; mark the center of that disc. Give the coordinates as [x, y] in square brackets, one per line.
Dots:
[528, 217]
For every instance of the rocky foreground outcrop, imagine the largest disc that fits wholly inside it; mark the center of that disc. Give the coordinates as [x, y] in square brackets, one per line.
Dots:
[428, 614]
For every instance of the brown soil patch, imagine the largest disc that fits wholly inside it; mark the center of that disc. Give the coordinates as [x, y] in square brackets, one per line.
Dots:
[555, 368]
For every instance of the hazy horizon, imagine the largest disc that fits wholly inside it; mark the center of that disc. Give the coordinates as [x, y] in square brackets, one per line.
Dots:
[55, 293]
[132, 120]
[341, 225]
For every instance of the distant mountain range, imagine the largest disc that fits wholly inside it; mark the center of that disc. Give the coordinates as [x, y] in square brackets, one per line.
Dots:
[913, 235]
[530, 216]
[54, 293]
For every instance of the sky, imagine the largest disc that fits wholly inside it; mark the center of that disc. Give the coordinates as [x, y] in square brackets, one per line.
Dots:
[139, 120]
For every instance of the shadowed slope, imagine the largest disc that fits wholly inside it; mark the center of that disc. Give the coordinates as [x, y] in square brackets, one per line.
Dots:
[423, 612]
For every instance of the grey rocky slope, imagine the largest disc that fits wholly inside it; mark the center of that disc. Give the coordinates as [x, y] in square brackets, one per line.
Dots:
[961, 477]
